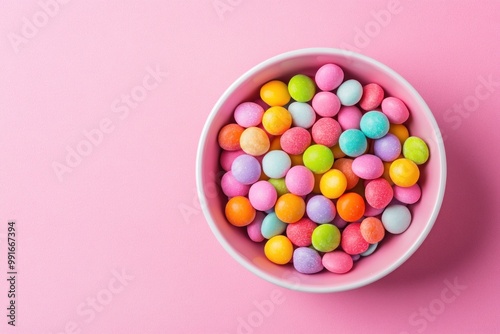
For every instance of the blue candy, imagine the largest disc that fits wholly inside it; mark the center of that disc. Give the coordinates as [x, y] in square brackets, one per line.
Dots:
[353, 142]
[374, 124]
[272, 226]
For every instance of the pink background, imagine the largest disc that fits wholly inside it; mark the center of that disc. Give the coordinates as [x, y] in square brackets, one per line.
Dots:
[128, 209]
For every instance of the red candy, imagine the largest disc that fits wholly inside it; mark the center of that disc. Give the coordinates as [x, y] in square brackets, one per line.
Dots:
[326, 131]
[300, 232]
[229, 137]
[295, 140]
[373, 95]
[378, 193]
[352, 241]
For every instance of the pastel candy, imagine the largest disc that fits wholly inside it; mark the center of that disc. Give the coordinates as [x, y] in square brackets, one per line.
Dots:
[300, 233]
[374, 124]
[329, 76]
[303, 115]
[395, 110]
[378, 193]
[353, 142]
[307, 260]
[295, 140]
[254, 141]
[373, 95]
[299, 180]
[396, 218]
[276, 164]
[349, 117]
[325, 238]
[246, 169]
[301, 88]
[326, 131]
[262, 195]
[248, 114]
[415, 149]
[326, 104]
[232, 187]
[253, 229]
[407, 195]
[350, 92]
[368, 167]
[272, 226]
[352, 241]
[337, 262]
[320, 209]
[387, 148]
[371, 249]
[227, 158]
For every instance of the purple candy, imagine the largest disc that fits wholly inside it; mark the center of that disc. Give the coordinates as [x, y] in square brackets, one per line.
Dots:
[307, 261]
[320, 209]
[246, 169]
[387, 148]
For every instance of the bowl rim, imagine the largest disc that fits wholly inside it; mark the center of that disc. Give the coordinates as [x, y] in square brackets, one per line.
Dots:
[319, 51]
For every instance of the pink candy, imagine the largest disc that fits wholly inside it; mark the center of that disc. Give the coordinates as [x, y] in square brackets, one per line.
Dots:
[378, 193]
[295, 140]
[232, 187]
[253, 230]
[352, 241]
[329, 76]
[326, 104]
[227, 158]
[248, 114]
[368, 167]
[337, 262]
[349, 117]
[326, 131]
[407, 195]
[395, 110]
[262, 195]
[373, 95]
[300, 232]
[299, 180]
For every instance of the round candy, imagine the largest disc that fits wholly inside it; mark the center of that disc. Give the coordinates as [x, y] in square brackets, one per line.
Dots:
[368, 166]
[374, 124]
[279, 249]
[254, 141]
[318, 158]
[407, 195]
[303, 115]
[333, 184]
[400, 131]
[337, 262]
[404, 172]
[378, 193]
[325, 238]
[262, 195]
[339, 222]
[372, 230]
[387, 148]
[295, 140]
[350, 92]
[326, 104]
[353, 142]
[386, 175]
[370, 250]
[253, 229]
[416, 150]
[395, 110]
[320, 209]
[345, 166]
[307, 260]
[239, 211]
[246, 169]
[326, 131]
[276, 164]
[349, 117]
[227, 158]
[370, 211]
[232, 187]
[276, 120]
[350, 207]
[396, 218]
[275, 93]
[279, 185]
[352, 241]
[299, 180]
[248, 114]
[275, 143]
[300, 232]
[373, 95]
[271, 226]
[301, 88]
[337, 152]
[329, 76]
[290, 208]
[229, 137]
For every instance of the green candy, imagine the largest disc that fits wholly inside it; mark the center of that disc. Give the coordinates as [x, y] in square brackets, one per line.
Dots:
[326, 237]
[416, 150]
[280, 186]
[318, 158]
[301, 88]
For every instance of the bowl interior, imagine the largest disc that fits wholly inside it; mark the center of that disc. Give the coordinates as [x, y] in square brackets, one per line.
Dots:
[394, 250]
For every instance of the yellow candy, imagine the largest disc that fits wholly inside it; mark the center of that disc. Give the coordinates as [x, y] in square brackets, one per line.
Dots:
[400, 131]
[275, 93]
[386, 175]
[276, 120]
[404, 172]
[279, 249]
[254, 141]
[333, 184]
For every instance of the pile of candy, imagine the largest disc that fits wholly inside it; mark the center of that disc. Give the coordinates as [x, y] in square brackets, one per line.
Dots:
[320, 169]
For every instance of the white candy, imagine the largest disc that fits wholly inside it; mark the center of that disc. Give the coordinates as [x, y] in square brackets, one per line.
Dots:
[396, 218]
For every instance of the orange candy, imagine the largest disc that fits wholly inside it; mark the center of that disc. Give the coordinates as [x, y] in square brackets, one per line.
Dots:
[290, 208]
[372, 230]
[229, 137]
[239, 211]
[254, 141]
[337, 152]
[345, 166]
[351, 207]
[275, 93]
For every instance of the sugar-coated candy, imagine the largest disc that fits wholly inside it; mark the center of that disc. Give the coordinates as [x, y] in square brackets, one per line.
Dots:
[333, 184]
[318, 158]
[329, 76]
[368, 167]
[299, 180]
[271, 226]
[350, 207]
[262, 195]
[395, 110]
[276, 164]
[407, 195]
[396, 218]
[276, 120]
[279, 249]
[239, 211]
[387, 148]
[301, 88]
[253, 229]
[353, 142]
[378, 193]
[404, 172]
[374, 124]
[349, 117]
[370, 211]
[326, 104]
[325, 237]
[290, 208]
[326, 131]
[229, 137]
[350, 92]
[254, 141]
[337, 152]
[275, 93]
[415, 149]
[307, 260]
[300, 233]
[303, 115]
[372, 230]
[372, 97]
[227, 158]
[320, 209]
[345, 166]
[295, 140]
[248, 114]
[371, 249]
[279, 185]
[232, 187]
[352, 241]
[246, 169]
[337, 262]
[400, 131]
